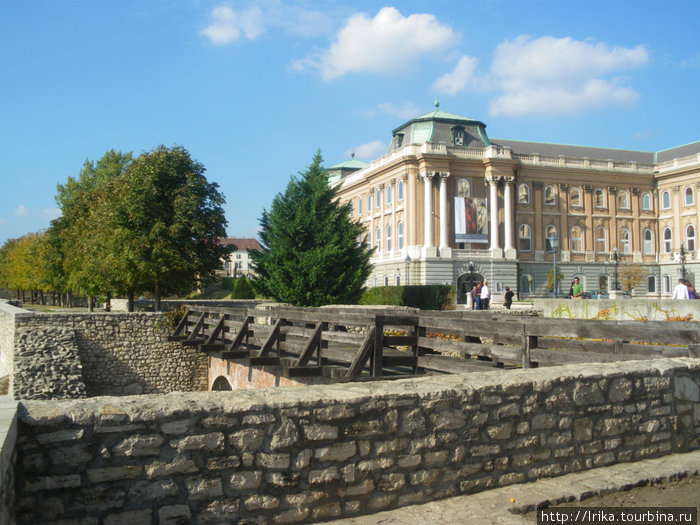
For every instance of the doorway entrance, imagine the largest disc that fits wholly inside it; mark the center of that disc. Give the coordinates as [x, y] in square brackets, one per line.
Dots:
[465, 283]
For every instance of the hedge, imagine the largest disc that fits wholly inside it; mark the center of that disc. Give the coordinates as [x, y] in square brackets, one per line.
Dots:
[428, 297]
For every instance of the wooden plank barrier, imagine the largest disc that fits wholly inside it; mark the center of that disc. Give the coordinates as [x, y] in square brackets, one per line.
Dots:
[353, 344]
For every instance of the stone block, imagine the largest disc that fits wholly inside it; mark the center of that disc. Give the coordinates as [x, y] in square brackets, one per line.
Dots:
[392, 482]
[159, 469]
[132, 517]
[321, 432]
[137, 446]
[292, 516]
[153, 490]
[285, 436]
[52, 482]
[204, 488]
[500, 432]
[321, 476]
[272, 461]
[174, 515]
[685, 389]
[260, 502]
[337, 453]
[211, 442]
[223, 463]
[246, 480]
[101, 475]
[249, 440]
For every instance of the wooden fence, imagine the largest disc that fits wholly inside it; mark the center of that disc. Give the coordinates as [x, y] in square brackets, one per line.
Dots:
[353, 343]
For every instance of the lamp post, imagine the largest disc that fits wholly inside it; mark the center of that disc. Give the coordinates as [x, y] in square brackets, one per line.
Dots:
[554, 243]
[682, 262]
[617, 263]
[471, 284]
[407, 260]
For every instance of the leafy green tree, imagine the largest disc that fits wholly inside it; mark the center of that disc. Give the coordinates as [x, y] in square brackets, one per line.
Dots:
[165, 221]
[631, 275]
[310, 254]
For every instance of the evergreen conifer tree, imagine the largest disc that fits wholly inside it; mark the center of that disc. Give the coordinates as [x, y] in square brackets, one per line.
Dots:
[310, 255]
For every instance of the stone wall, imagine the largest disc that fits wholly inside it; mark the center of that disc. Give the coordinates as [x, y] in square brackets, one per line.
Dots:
[68, 355]
[618, 309]
[290, 455]
[8, 438]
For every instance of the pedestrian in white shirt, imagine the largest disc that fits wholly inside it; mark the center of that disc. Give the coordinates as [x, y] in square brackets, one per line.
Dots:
[681, 290]
[485, 296]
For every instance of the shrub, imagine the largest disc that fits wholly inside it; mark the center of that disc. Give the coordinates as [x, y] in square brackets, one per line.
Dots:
[241, 289]
[429, 297]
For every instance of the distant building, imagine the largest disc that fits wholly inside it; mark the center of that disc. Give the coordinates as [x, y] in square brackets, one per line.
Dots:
[447, 204]
[239, 263]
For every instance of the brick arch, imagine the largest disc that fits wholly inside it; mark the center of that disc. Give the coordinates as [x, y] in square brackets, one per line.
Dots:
[221, 383]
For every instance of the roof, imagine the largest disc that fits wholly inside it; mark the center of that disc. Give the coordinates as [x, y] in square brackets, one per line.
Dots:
[353, 163]
[241, 243]
[544, 148]
[678, 152]
[442, 116]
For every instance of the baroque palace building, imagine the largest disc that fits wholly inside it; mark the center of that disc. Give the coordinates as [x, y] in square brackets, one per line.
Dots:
[448, 205]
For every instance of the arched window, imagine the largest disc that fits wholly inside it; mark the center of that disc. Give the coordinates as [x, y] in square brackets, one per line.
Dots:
[688, 196]
[623, 200]
[646, 201]
[525, 238]
[378, 239]
[378, 199]
[599, 198]
[575, 197]
[665, 200]
[400, 229]
[388, 238]
[374, 282]
[668, 238]
[690, 238]
[359, 207]
[647, 242]
[549, 233]
[464, 188]
[388, 193]
[576, 239]
[603, 283]
[625, 241]
[601, 240]
[524, 194]
[386, 280]
[666, 280]
[399, 190]
[397, 280]
[651, 284]
[550, 196]
[526, 284]
[369, 203]
[352, 206]
[369, 239]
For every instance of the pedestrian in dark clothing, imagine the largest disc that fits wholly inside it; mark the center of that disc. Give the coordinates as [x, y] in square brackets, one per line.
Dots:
[508, 298]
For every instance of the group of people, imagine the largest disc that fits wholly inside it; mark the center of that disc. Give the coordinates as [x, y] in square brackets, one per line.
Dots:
[684, 290]
[481, 296]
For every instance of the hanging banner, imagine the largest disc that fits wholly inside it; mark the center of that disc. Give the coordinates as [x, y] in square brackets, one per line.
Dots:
[471, 220]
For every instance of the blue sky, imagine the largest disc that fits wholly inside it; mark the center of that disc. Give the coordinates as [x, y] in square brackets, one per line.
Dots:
[253, 89]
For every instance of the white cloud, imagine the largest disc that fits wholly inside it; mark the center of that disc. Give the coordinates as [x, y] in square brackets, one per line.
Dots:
[462, 77]
[387, 43]
[369, 150]
[560, 76]
[228, 25]
[407, 110]
[22, 211]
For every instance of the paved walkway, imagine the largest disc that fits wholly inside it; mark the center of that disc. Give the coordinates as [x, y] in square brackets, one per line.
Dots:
[494, 506]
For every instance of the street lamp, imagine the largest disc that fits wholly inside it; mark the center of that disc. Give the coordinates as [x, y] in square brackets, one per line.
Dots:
[471, 284]
[617, 263]
[682, 262]
[554, 243]
[407, 260]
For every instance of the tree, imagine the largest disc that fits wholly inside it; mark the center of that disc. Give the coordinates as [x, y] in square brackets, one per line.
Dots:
[165, 221]
[631, 275]
[310, 254]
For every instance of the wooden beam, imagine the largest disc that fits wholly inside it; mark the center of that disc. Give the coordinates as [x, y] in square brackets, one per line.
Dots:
[362, 355]
[313, 345]
[271, 339]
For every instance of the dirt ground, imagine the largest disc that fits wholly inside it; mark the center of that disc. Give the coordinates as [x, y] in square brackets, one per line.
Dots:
[683, 492]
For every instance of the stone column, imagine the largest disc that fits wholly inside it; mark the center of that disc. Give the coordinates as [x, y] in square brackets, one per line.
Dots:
[508, 216]
[493, 207]
[443, 212]
[564, 233]
[428, 209]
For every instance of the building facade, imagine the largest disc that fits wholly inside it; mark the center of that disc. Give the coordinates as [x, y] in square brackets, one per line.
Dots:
[448, 205]
[239, 263]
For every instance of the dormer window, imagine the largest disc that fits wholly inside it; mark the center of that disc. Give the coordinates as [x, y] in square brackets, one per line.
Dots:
[458, 136]
[398, 140]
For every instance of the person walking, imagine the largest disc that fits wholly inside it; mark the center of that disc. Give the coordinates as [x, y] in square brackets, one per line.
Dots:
[477, 297]
[508, 298]
[691, 291]
[485, 296]
[577, 289]
[681, 290]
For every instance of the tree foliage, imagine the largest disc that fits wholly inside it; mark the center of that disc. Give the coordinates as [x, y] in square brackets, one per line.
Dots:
[127, 225]
[310, 255]
[631, 275]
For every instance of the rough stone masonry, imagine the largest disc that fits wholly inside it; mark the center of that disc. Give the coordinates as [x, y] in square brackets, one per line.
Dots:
[295, 455]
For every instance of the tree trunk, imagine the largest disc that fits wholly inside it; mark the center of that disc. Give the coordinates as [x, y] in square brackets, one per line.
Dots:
[91, 298]
[156, 298]
[130, 308]
[108, 304]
